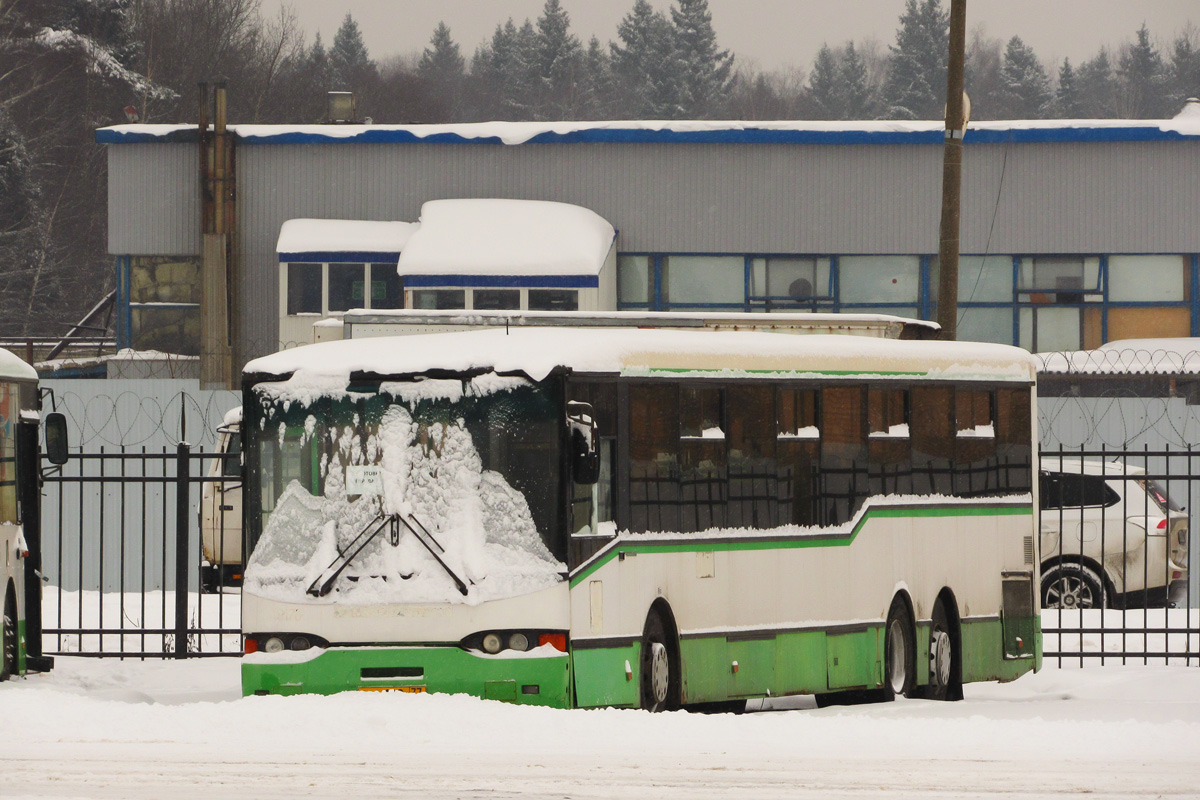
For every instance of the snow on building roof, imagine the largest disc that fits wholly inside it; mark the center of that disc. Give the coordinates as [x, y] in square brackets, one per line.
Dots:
[1127, 357]
[13, 367]
[326, 367]
[510, 238]
[342, 239]
[1183, 126]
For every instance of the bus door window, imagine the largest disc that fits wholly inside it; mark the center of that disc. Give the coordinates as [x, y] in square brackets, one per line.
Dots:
[933, 439]
[1014, 426]
[798, 454]
[752, 470]
[592, 505]
[843, 451]
[654, 457]
[9, 414]
[890, 444]
[702, 458]
[975, 443]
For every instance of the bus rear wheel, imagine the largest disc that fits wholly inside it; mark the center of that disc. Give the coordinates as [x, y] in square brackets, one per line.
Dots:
[8, 639]
[945, 671]
[900, 650]
[659, 672]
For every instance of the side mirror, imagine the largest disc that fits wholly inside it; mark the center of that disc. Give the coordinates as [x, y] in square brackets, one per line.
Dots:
[56, 438]
[585, 451]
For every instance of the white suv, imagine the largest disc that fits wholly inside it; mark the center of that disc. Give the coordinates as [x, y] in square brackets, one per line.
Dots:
[1110, 537]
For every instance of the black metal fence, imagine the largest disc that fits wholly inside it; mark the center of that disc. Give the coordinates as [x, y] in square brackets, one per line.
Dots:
[122, 559]
[1115, 531]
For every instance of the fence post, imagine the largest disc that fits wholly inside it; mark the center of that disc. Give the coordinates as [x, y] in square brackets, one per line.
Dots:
[182, 551]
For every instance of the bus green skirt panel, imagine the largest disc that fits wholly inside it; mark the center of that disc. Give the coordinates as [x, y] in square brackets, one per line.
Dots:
[639, 518]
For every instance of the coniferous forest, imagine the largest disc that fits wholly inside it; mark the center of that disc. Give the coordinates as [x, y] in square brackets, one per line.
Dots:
[68, 67]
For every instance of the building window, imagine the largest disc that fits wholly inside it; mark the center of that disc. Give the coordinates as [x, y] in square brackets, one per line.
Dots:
[704, 280]
[553, 300]
[387, 291]
[787, 283]
[496, 299]
[304, 289]
[635, 276]
[439, 299]
[346, 287]
[879, 279]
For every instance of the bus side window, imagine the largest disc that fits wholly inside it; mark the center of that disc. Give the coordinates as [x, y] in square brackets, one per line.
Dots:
[798, 454]
[933, 439]
[890, 441]
[753, 473]
[843, 452]
[1014, 431]
[654, 457]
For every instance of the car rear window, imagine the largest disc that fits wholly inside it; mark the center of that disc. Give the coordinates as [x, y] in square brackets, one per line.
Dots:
[1065, 490]
[1158, 493]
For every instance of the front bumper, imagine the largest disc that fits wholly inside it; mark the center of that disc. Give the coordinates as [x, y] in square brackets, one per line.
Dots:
[526, 679]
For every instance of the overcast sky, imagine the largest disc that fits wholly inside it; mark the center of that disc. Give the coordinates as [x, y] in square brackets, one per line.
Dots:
[775, 34]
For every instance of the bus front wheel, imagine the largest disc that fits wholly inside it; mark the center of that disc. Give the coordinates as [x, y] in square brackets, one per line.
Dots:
[8, 638]
[659, 669]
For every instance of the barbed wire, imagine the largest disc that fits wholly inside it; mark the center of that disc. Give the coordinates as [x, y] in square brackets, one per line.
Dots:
[136, 419]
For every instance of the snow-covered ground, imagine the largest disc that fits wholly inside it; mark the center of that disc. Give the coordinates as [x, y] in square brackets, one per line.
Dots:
[180, 729]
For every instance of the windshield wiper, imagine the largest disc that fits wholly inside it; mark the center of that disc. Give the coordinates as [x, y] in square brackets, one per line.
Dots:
[422, 533]
[324, 582]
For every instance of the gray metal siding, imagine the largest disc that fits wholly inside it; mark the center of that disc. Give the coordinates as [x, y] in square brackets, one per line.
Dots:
[1102, 197]
[153, 200]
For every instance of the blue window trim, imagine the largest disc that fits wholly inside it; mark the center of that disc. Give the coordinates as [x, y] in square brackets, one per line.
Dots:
[926, 301]
[339, 257]
[502, 281]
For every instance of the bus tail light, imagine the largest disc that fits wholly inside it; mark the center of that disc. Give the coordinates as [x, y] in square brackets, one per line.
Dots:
[556, 640]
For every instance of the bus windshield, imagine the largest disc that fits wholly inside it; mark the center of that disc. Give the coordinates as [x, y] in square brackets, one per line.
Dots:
[470, 467]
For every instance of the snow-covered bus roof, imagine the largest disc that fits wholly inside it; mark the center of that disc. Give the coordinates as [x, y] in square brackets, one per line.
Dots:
[506, 238]
[13, 367]
[1170, 356]
[342, 240]
[1186, 125]
[363, 323]
[326, 368]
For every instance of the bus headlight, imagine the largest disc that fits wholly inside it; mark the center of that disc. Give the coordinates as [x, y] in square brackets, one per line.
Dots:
[273, 645]
[518, 641]
[300, 643]
[491, 643]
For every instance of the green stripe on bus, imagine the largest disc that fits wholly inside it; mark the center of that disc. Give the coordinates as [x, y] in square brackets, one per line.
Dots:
[768, 542]
[839, 372]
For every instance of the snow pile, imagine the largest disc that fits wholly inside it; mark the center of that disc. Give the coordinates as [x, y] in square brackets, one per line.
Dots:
[507, 237]
[297, 236]
[326, 367]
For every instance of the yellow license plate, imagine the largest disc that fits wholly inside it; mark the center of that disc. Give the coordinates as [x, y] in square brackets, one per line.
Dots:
[408, 689]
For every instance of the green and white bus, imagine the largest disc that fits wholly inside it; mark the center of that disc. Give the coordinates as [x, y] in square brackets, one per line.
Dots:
[20, 517]
[639, 518]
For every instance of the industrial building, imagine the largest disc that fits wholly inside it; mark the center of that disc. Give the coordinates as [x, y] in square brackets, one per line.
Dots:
[1073, 233]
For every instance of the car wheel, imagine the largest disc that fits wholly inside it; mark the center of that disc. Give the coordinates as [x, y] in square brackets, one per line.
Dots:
[658, 671]
[1072, 586]
[900, 651]
[945, 671]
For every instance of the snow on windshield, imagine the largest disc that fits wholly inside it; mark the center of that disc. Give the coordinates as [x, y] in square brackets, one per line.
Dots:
[422, 466]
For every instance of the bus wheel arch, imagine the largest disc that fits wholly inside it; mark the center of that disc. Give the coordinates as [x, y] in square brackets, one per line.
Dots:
[945, 649]
[8, 634]
[900, 648]
[661, 670]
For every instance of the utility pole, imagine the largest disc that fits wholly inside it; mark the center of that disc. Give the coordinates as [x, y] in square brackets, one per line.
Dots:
[956, 123]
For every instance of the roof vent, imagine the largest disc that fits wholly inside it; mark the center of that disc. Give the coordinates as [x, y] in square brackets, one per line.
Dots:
[341, 108]
[1191, 109]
